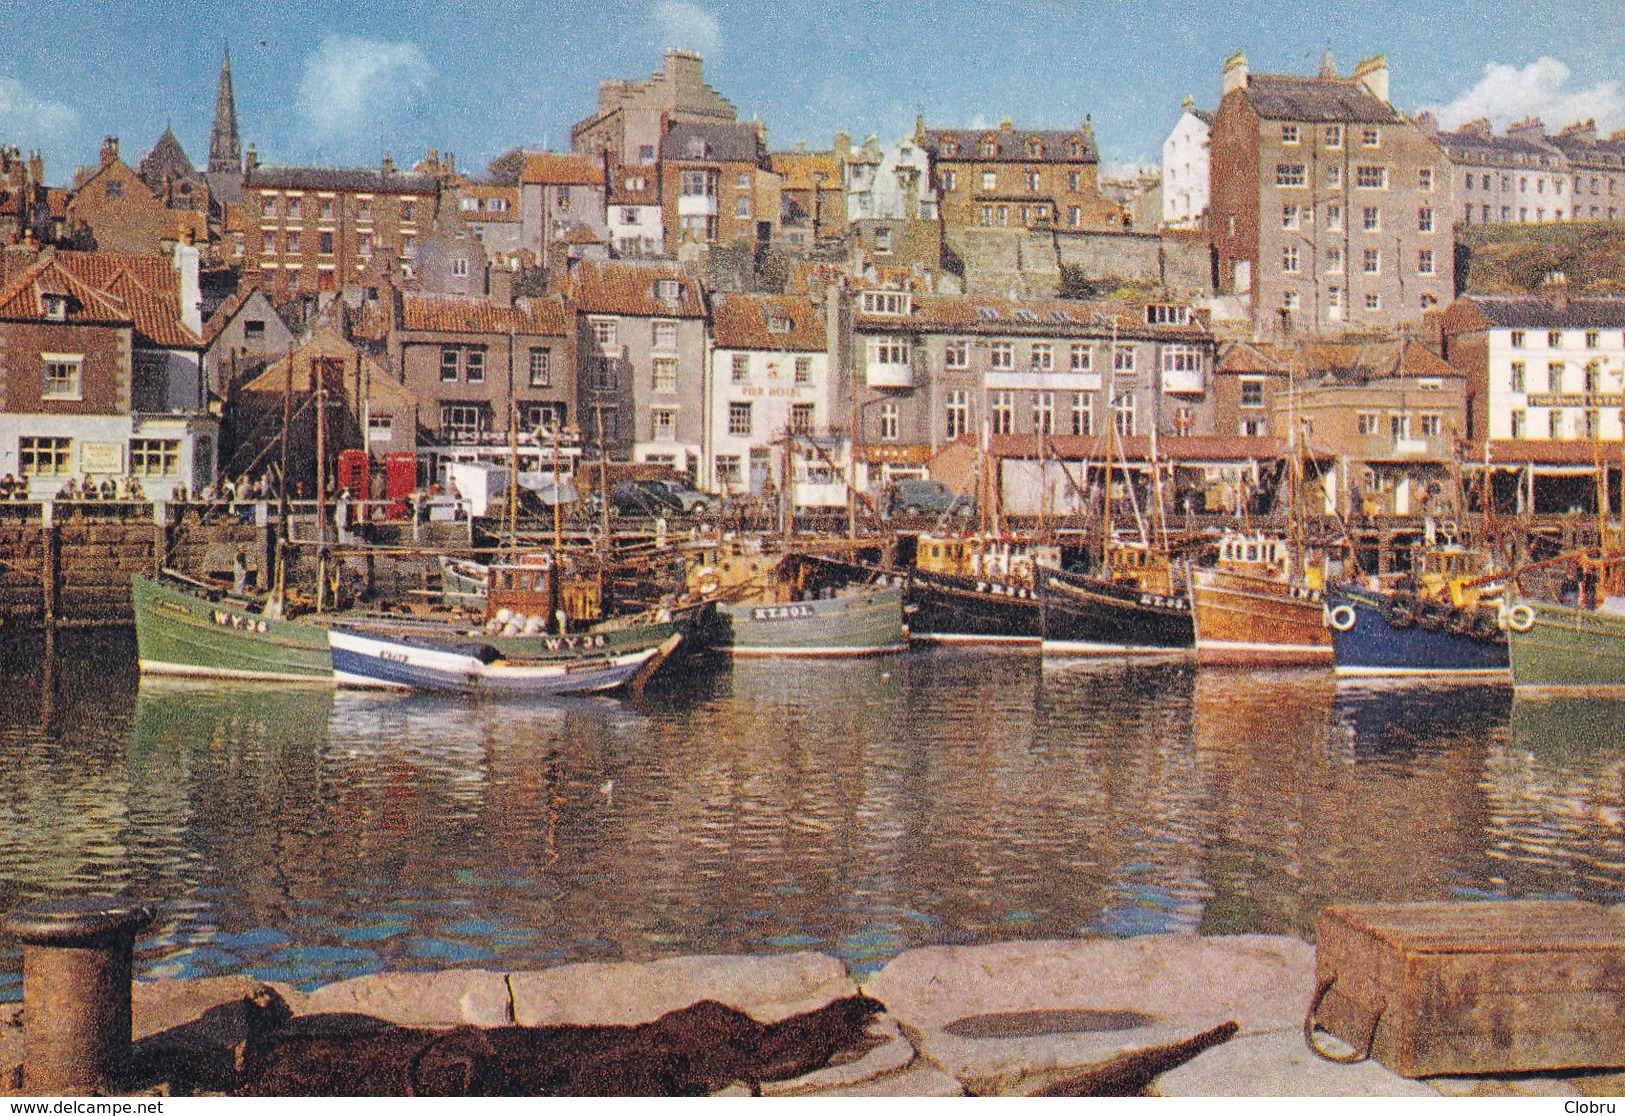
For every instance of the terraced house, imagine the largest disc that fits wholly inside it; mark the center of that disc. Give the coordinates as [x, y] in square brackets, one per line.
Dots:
[771, 408]
[934, 369]
[1018, 177]
[640, 332]
[313, 229]
[101, 373]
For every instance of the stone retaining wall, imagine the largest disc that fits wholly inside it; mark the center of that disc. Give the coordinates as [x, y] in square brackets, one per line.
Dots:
[1015, 1018]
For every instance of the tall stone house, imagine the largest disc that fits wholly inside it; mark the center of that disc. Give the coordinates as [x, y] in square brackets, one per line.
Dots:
[640, 332]
[1185, 170]
[1018, 177]
[717, 185]
[111, 208]
[632, 116]
[560, 195]
[1330, 209]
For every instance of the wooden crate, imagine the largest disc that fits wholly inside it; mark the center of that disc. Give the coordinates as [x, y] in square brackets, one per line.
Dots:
[1487, 987]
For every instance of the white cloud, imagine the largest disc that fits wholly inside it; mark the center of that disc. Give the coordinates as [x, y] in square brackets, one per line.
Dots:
[681, 24]
[1508, 93]
[29, 122]
[357, 89]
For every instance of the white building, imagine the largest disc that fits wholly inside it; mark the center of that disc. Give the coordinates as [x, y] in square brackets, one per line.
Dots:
[1185, 168]
[892, 183]
[770, 398]
[636, 229]
[1541, 367]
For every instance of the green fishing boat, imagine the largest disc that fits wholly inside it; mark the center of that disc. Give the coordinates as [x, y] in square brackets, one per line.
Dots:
[180, 630]
[1558, 649]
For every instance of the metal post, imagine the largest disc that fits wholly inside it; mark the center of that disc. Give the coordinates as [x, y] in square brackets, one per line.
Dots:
[76, 987]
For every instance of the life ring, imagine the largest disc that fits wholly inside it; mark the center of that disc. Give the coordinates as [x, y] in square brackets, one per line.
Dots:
[1521, 618]
[1340, 619]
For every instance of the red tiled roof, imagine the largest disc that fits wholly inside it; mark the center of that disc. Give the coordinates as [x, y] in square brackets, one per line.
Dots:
[147, 285]
[442, 313]
[550, 168]
[22, 300]
[621, 287]
[742, 322]
[581, 234]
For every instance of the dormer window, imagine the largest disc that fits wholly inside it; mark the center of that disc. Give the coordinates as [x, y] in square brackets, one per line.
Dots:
[778, 324]
[990, 146]
[1160, 314]
[696, 147]
[950, 146]
[886, 302]
[1074, 149]
[667, 290]
[56, 307]
[1035, 148]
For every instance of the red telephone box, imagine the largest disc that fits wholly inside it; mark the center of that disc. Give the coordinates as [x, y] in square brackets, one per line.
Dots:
[400, 481]
[353, 473]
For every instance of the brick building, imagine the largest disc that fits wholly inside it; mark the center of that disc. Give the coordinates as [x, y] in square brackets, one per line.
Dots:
[311, 229]
[101, 373]
[559, 195]
[112, 209]
[717, 185]
[1328, 206]
[1018, 177]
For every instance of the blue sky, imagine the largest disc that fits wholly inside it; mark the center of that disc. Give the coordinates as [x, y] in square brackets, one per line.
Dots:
[340, 83]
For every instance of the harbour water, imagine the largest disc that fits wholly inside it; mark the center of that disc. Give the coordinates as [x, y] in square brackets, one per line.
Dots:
[858, 808]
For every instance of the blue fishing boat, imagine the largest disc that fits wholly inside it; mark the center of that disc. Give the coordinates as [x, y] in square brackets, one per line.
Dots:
[405, 663]
[1386, 632]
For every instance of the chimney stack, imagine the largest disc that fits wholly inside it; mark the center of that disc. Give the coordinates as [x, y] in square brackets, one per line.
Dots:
[1373, 74]
[1235, 73]
[109, 150]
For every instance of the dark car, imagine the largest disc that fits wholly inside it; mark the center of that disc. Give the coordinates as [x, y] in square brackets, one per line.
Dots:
[917, 496]
[691, 500]
[643, 497]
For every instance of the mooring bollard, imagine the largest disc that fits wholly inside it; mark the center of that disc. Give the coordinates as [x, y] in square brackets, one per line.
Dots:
[76, 991]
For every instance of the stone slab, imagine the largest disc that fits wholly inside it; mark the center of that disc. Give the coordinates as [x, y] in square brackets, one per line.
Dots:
[1278, 1064]
[893, 1055]
[161, 1005]
[998, 1015]
[767, 988]
[442, 999]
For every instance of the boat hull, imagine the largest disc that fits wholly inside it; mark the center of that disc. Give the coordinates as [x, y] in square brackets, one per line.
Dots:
[1372, 647]
[183, 633]
[1086, 615]
[945, 608]
[1568, 651]
[1244, 619]
[865, 622]
[371, 662]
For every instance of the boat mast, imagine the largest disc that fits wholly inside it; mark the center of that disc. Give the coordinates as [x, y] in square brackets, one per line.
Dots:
[1111, 429]
[318, 369]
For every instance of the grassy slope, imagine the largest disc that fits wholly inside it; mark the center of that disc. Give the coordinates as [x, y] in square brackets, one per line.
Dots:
[1513, 259]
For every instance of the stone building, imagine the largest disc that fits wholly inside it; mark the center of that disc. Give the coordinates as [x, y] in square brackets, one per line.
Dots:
[812, 205]
[1329, 208]
[316, 229]
[225, 173]
[632, 116]
[933, 369]
[111, 209]
[640, 331]
[491, 213]
[1018, 177]
[243, 335]
[478, 364]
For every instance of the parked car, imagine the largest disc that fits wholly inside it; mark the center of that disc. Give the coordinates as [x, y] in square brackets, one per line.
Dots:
[691, 500]
[920, 496]
[643, 497]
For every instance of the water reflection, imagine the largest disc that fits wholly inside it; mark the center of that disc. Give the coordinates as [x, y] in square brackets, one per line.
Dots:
[859, 808]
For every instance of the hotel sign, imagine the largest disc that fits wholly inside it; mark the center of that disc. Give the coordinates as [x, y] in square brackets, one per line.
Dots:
[1589, 399]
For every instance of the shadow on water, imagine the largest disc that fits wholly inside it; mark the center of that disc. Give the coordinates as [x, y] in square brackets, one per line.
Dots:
[856, 807]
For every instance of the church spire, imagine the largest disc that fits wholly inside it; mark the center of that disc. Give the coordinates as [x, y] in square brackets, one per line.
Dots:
[225, 154]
